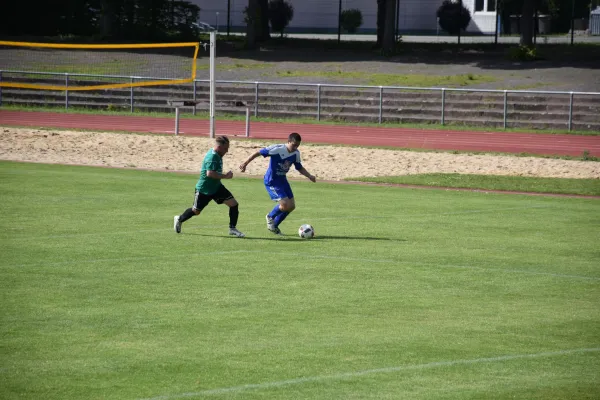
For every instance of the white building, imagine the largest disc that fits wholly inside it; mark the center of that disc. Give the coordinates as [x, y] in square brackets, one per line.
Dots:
[321, 16]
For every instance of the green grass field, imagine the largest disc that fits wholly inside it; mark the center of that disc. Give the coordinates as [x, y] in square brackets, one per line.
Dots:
[404, 294]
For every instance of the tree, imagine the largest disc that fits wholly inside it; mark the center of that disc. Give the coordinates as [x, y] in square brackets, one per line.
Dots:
[380, 22]
[252, 15]
[351, 20]
[264, 32]
[389, 30]
[260, 20]
[453, 17]
[280, 14]
[527, 13]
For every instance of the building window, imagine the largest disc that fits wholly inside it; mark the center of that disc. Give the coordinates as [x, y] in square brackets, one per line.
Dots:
[485, 5]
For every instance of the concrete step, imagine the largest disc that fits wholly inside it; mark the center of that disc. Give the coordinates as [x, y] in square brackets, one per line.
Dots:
[451, 111]
[399, 105]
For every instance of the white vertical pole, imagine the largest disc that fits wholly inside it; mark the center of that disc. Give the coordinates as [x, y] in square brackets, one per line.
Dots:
[247, 121]
[176, 120]
[213, 44]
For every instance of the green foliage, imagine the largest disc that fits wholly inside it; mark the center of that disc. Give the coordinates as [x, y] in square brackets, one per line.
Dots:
[280, 14]
[453, 17]
[114, 19]
[351, 20]
[523, 53]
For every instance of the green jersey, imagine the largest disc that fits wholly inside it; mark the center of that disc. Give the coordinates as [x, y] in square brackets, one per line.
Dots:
[212, 162]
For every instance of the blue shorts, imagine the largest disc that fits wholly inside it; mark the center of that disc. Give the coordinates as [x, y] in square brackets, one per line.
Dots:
[279, 190]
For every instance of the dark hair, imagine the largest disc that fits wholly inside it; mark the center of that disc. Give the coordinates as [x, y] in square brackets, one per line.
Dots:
[222, 140]
[294, 137]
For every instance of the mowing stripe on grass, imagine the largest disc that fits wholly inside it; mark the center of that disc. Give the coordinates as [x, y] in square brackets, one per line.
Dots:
[308, 256]
[357, 374]
[193, 228]
[482, 269]
[520, 271]
[119, 259]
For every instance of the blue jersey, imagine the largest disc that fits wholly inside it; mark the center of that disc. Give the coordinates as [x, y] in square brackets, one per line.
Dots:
[280, 163]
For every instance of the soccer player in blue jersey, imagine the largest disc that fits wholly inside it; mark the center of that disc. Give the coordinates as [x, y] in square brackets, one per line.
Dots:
[282, 157]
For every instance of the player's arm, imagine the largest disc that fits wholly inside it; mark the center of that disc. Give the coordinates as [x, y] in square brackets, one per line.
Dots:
[245, 163]
[218, 175]
[307, 174]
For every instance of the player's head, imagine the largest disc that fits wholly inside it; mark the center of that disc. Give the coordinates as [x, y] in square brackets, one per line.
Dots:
[221, 145]
[294, 141]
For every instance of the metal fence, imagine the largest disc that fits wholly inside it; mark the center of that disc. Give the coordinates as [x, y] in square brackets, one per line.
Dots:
[253, 89]
[595, 22]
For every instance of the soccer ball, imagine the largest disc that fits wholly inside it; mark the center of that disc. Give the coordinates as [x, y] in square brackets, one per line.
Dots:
[306, 231]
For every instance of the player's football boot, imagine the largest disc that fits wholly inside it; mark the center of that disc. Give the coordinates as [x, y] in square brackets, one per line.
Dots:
[176, 224]
[235, 232]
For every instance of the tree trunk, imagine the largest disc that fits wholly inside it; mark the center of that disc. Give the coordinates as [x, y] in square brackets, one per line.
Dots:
[251, 27]
[389, 31]
[380, 22]
[264, 33]
[527, 23]
[107, 19]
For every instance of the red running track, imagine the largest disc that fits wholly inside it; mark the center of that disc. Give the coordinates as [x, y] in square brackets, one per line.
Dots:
[431, 139]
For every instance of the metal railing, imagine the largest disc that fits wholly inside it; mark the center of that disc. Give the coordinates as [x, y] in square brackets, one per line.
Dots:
[318, 87]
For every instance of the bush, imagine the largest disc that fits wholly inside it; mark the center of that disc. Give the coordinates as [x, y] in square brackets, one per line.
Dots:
[453, 17]
[280, 14]
[351, 20]
[523, 53]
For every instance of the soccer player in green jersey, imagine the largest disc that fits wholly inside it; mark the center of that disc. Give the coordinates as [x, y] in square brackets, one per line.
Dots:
[210, 187]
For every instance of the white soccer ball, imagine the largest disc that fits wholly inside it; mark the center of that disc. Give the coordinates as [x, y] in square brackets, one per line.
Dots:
[306, 231]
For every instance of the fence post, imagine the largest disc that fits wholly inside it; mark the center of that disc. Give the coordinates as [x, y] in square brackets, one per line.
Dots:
[318, 102]
[443, 105]
[256, 100]
[66, 90]
[570, 111]
[131, 95]
[194, 95]
[0, 89]
[176, 121]
[247, 121]
[380, 104]
[505, 108]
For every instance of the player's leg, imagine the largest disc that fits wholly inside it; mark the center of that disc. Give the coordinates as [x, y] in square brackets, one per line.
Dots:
[275, 194]
[200, 201]
[287, 204]
[224, 196]
[280, 193]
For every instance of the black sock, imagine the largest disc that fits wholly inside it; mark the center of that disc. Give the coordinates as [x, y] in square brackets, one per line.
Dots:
[233, 216]
[187, 214]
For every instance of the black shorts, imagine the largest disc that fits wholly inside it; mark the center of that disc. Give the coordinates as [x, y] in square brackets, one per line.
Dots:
[201, 200]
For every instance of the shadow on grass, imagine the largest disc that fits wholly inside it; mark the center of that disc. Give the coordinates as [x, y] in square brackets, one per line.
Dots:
[296, 238]
[337, 237]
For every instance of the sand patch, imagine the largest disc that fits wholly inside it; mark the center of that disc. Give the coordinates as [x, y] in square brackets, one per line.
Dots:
[181, 153]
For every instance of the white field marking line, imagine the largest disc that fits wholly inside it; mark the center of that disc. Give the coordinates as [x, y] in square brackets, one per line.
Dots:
[357, 374]
[404, 217]
[101, 260]
[521, 271]
[426, 264]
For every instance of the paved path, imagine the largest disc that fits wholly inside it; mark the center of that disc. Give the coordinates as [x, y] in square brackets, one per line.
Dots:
[431, 139]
